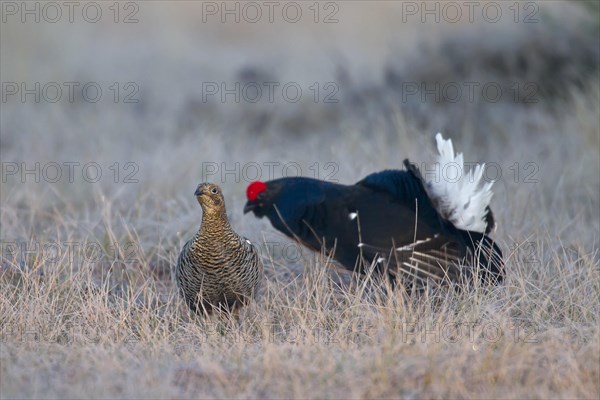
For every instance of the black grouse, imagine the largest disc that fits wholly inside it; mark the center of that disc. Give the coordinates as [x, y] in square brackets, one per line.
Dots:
[392, 221]
[217, 268]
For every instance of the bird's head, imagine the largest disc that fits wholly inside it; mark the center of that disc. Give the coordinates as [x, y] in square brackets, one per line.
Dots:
[210, 197]
[258, 201]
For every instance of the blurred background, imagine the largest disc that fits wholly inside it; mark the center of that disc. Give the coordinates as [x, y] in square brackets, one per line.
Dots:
[114, 111]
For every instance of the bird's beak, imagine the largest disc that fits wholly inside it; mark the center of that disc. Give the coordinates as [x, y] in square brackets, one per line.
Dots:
[198, 192]
[249, 207]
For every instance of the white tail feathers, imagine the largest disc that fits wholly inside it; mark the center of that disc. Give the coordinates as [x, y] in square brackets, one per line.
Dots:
[461, 197]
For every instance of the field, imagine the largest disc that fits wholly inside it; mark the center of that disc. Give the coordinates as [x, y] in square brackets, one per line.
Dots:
[108, 126]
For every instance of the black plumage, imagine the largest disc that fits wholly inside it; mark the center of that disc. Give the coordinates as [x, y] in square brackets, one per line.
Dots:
[387, 221]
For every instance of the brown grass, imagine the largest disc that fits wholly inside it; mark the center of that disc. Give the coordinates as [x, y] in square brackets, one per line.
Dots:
[68, 334]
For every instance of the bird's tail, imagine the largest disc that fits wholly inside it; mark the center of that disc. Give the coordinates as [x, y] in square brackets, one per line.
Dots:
[461, 197]
[439, 260]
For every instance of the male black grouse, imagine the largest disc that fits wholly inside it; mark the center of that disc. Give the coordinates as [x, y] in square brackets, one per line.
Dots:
[393, 221]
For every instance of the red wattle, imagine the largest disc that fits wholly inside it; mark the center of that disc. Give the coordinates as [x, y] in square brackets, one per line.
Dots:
[254, 189]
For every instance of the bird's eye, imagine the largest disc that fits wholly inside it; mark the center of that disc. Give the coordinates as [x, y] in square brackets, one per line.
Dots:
[213, 190]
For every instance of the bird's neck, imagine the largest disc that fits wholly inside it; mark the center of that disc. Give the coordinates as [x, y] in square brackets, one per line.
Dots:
[214, 224]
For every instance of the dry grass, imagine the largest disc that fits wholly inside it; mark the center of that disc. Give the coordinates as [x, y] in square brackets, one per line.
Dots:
[111, 325]
[68, 333]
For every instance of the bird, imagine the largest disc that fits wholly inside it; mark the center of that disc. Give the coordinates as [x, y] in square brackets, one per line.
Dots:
[392, 222]
[217, 269]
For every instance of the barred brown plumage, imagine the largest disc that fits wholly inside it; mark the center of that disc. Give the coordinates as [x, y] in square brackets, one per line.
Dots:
[217, 268]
